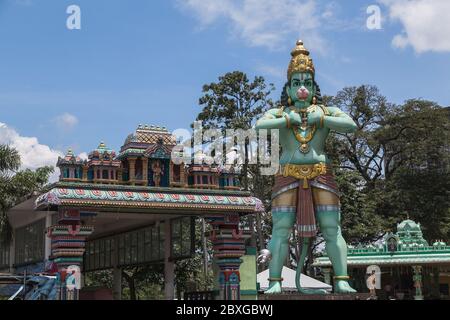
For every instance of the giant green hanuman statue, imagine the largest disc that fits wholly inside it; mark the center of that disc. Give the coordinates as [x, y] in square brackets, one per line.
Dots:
[305, 190]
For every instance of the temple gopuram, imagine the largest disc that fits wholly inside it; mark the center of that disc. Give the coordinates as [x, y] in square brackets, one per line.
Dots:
[135, 207]
[405, 264]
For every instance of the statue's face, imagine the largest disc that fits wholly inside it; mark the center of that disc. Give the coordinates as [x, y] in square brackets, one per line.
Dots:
[301, 88]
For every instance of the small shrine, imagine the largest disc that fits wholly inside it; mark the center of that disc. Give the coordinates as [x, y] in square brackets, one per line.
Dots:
[404, 261]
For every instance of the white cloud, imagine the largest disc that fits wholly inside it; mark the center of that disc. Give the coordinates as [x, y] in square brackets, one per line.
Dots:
[267, 23]
[32, 154]
[83, 156]
[66, 121]
[273, 71]
[426, 24]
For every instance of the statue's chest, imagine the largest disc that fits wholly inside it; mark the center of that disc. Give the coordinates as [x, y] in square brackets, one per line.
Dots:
[303, 140]
[305, 136]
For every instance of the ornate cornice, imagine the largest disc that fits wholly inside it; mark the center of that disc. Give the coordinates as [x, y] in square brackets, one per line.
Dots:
[174, 199]
[89, 186]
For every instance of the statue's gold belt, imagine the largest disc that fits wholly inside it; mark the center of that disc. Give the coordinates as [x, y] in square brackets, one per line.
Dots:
[304, 172]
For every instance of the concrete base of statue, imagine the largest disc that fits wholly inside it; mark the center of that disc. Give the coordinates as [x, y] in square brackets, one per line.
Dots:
[299, 296]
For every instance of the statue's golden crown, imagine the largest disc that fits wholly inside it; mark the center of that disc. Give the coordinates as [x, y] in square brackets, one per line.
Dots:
[300, 61]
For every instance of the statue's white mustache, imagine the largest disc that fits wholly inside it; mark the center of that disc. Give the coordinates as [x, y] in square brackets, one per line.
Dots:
[302, 93]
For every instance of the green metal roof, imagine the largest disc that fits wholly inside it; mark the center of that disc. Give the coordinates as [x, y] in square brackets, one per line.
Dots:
[407, 246]
[132, 151]
[396, 259]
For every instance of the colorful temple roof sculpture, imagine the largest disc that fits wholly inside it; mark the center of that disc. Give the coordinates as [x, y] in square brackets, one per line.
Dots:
[145, 160]
[406, 247]
[69, 159]
[143, 176]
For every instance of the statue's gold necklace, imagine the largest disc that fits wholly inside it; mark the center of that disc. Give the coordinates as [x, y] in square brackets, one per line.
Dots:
[304, 147]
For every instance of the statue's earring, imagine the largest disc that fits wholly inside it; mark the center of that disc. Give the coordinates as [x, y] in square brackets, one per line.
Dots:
[289, 101]
[314, 100]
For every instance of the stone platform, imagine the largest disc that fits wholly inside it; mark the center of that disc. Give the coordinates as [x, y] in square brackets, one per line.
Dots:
[299, 296]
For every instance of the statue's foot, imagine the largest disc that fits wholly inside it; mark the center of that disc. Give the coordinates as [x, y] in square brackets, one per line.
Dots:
[342, 286]
[312, 291]
[274, 288]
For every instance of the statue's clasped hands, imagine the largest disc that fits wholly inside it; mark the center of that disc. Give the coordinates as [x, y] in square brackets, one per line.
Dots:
[314, 118]
[295, 119]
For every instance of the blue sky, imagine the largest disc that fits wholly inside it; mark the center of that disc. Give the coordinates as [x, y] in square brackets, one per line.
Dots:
[145, 61]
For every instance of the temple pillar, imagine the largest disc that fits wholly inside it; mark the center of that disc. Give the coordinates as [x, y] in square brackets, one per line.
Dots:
[68, 239]
[117, 273]
[117, 283]
[171, 174]
[169, 265]
[85, 174]
[417, 278]
[132, 171]
[435, 290]
[48, 241]
[12, 251]
[145, 170]
[183, 178]
[229, 246]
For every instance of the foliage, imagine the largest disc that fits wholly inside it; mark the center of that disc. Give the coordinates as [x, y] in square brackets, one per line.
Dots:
[359, 220]
[16, 185]
[190, 273]
[9, 159]
[190, 276]
[147, 281]
[234, 102]
[138, 283]
[400, 160]
[143, 282]
[364, 150]
[424, 196]
[102, 278]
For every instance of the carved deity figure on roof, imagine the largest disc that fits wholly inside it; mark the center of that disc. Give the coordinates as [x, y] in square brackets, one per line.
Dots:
[157, 172]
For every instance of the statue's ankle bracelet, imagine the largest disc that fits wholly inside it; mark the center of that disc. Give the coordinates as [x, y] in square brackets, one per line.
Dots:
[341, 278]
[275, 279]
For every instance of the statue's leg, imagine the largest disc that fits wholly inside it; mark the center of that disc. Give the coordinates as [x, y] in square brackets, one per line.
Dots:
[328, 215]
[283, 218]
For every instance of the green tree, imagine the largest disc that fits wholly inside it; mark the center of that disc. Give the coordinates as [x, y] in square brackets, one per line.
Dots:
[16, 185]
[400, 153]
[420, 187]
[140, 279]
[359, 220]
[147, 281]
[9, 159]
[364, 150]
[235, 102]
